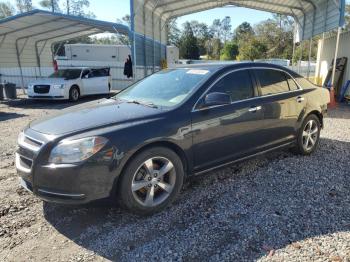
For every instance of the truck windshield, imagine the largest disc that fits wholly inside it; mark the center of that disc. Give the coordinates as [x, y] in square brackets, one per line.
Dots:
[166, 88]
[66, 74]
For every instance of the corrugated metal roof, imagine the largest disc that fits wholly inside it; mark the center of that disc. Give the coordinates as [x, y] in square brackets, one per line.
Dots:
[26, 39]
[312, 16]
[41, 24]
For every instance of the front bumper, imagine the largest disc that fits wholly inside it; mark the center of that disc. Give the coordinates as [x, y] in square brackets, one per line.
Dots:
[69, 183]
[54, 93]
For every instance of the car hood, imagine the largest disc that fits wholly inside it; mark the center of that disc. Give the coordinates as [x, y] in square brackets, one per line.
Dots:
[91, 115]
[49, 81]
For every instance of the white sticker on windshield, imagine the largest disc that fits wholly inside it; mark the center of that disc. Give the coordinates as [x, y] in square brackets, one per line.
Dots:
[197, 72]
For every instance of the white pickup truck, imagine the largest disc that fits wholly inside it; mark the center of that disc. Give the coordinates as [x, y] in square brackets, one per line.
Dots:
[71, 83]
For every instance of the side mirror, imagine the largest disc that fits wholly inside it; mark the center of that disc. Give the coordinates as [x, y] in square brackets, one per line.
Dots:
[216, 98]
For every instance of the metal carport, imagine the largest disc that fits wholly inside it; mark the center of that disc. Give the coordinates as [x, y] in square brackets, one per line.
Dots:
[26, 39]
[149, 19]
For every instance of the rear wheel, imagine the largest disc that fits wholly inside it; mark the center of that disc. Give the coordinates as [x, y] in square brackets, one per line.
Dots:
[151, 181]
[309, 135]
[74, 94]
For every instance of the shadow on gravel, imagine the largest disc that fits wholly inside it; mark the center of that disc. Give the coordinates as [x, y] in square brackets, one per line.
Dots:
[236, 213]
[8, 116]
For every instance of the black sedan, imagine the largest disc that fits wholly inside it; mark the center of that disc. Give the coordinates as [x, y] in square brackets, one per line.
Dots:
[140, 145]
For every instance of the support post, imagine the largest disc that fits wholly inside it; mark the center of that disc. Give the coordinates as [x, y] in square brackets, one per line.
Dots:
[293, 53]
[154, 44]
[309, 61]
[335, 57]
[301, 56]
[20, 67]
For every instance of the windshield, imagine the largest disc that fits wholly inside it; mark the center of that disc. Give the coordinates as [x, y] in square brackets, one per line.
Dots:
[67, 74]
[166, 88]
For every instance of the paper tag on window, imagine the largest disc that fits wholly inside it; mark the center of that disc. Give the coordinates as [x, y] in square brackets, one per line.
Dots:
[197, 72]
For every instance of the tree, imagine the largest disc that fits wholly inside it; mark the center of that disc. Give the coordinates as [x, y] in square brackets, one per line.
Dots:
[215, 29]
[52, 5]
[243, 32]
[24, 5]
[201, 32]
[6, 10]
[188, 43]
[229, 51]
[252, 50]
[226, 28]
[347, 17]
[216, 49]
[77, 7]
[124, 39]
[174, 33]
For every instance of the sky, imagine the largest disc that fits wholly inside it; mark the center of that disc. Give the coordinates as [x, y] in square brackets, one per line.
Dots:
[110, 10]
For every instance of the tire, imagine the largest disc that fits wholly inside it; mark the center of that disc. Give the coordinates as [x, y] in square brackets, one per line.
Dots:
[308, 136]
[74, 94]
[157, 170]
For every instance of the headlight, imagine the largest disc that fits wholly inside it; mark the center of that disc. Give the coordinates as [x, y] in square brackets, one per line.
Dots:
[73, 151]
[58, 86]
[30, 86]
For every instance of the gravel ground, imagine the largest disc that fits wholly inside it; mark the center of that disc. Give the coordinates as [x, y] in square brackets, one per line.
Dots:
[278, 207]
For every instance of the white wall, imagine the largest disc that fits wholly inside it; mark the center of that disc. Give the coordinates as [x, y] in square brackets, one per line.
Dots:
[325, 55]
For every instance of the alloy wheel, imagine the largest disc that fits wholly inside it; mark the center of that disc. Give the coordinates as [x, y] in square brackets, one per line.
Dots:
[153, 181]
[310, 135]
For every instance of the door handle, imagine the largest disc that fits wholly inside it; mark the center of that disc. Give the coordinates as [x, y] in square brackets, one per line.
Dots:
[300, 99]
[254, 109]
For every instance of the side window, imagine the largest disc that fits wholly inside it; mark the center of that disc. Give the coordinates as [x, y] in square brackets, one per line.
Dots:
[292, 85]
[272, 81]
[237, 84]
[85, 73]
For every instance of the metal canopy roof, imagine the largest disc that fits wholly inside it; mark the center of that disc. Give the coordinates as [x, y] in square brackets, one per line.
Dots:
[312, 17]
[42, 25]
[26, 39]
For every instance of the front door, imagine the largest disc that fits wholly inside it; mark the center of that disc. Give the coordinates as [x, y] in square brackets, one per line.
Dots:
[227, 132]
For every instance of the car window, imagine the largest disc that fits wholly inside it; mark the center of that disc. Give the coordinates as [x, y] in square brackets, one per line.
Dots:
[166, 88]
[272, 81]
[66, 74]
[237, 84]
[85, 72]
[292, 85]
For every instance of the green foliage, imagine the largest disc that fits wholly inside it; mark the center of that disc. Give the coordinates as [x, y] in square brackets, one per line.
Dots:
[243, 32]
[47, 4]
[174, 33]
[188, 44]
[229, 52]
[253, 49]
[24, 5]
[6, 9]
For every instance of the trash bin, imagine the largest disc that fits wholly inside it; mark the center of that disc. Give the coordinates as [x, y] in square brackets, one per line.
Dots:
[10, 91]
[1, 92]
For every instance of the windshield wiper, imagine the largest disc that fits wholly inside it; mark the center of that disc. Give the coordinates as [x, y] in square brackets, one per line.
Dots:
[149, 104]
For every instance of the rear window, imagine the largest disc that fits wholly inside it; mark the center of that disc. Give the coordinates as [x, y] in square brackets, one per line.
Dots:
[272, 81]
[100, 72]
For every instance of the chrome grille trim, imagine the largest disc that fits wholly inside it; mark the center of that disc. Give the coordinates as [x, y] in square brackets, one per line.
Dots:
[29, 142]
[19, 165]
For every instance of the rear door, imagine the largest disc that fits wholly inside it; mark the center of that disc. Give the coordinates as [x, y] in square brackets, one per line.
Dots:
[226, 132]
[282, 103]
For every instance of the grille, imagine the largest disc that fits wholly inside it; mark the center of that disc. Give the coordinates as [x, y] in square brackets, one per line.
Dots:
[26, 151]
[41, 89]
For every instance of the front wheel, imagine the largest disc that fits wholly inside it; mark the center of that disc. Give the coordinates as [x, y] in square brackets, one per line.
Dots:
[151, 181]
[74, 94]
[309, 135]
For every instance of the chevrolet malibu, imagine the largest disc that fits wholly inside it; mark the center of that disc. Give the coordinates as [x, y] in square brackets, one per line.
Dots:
[140, 145]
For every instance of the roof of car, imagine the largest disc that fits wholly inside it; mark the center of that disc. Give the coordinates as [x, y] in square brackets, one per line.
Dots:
[222, 65]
